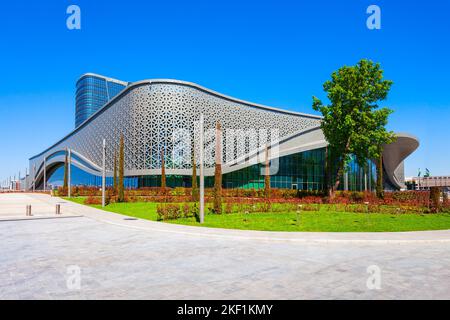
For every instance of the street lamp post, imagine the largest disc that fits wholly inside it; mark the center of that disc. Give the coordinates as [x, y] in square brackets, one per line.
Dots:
[45, 174]
[103, 172]
[69, 173]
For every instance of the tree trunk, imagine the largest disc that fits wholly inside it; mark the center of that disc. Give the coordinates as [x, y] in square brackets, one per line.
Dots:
[379, 188]
[267, 175]
[115, 174]
[163, 172]
[340, 172]
[435, 199]
[195, 192]
[327, 167]
[66, 174]
[217, 191]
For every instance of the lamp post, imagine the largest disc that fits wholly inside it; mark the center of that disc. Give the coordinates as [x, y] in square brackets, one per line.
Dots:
[103, 172]
[45, 174]
[69, 173]
[202, 178]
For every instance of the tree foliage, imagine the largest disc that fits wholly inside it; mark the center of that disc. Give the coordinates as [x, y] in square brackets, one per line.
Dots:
[353, 123]
[217, 190]
[115, 184]
[66, 171]
[267, 174]
[379, 186]
[163, 171]
[195, 191]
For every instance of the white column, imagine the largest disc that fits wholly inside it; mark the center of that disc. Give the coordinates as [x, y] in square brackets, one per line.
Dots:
[202, 178]
[365, 181]
[104, 173]
[346, 180]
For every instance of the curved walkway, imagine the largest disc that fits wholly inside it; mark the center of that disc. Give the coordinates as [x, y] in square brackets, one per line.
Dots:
[137, 259]
[71, 208]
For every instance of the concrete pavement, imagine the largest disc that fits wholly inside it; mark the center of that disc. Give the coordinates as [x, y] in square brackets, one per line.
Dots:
[103, 256]
[13, 206]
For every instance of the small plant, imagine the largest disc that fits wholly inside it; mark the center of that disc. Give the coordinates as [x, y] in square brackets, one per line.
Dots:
[229, 207]
[195, 212]
[435, 201]
[93, 200]
[186, 210]
[173, 211]
[161, 212]
[356, 196]
[266, 206]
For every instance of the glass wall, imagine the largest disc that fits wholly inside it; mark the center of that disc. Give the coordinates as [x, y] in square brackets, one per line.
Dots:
[79, 177]
[93, 93]
[302, 171]
[359, 178]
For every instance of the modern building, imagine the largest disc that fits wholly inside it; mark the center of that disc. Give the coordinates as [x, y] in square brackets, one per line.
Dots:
[425, 183]
[93, 92]
[159, 119]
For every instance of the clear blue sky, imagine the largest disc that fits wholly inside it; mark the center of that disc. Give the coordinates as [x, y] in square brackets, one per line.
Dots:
[276, 53]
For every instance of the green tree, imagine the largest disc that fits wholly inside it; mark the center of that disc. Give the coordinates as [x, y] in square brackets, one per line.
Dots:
[163, 172]
[195, 191]
[66, 173]
[379, 165]
[121, 192]
[217, 190]
[353, 123]
[115, 174]
[267, 175]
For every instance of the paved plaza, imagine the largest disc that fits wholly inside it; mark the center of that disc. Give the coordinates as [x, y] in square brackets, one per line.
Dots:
[91, 254]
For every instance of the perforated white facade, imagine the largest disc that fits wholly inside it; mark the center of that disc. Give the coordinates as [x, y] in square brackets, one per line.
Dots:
[148, 113]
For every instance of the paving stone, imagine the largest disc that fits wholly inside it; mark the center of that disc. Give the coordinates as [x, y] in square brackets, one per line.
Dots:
[164, 262]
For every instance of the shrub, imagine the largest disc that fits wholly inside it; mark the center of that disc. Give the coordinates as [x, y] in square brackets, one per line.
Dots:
[93, 200]
[75, 191]
[178, 192]
[173, 211]
[195, 212]
[167, 211]
[161, 212]
[210, 209]
[288, 193]
[356, 196]
[228, 207]
[186, 210]
[435, 201]
[265, 206]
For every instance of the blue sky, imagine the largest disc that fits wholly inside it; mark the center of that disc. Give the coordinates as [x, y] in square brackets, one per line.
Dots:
[276, 53]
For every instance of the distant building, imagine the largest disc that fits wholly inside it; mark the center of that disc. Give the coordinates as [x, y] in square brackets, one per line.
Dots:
[424, 183]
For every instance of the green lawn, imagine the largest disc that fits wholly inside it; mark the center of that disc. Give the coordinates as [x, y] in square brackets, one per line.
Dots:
[309, 221]
[142, 210]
